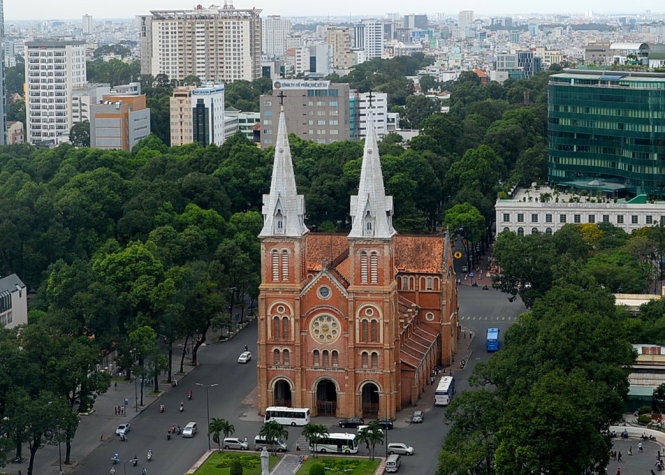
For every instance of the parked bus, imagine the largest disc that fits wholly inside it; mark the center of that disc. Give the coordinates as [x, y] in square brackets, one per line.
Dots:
[288, 416]
[336, 443]
[444, 391]
[492, 342]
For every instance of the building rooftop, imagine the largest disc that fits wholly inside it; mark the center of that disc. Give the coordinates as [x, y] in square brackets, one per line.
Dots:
[11, 283]
[48, 42]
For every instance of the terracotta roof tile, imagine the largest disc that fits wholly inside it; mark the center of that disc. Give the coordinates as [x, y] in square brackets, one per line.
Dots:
[324, 247]
[419, 253]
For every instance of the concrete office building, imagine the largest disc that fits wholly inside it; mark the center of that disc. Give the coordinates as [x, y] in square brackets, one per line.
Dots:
[373, 42]
[465, 19]
[216, 44]
[197, 115]
[340, 40]
[605, 132]
[415, 22]
[13, 302]
[88, 25]
[84, 97]
[119, 121]
[314, 110]
[359, 105]
[53, 69]
[274, 31]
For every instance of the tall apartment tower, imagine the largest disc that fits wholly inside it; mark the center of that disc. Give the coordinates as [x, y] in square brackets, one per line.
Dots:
[3, 104]
[216, 44]
[197, 115]
[274, 31]
[373, 41]
[53, 69]
[87, 24]
[340, 40]
[465, 19]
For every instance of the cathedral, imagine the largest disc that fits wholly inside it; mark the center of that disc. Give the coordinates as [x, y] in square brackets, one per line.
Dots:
[349, 324]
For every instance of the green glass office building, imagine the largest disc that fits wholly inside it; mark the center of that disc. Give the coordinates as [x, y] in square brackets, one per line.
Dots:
[607, 132]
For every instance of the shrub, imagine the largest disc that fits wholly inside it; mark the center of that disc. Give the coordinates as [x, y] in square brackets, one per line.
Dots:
[644, 419]
[644, 410]
[236, 468]
[317, 469]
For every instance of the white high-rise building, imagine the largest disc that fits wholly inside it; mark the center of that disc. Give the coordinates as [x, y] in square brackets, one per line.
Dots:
[53, 69]
[464, 19]
[373, 38]
[197, 115]
[274, 31]
[379, 106]
[215, 44]
[87, 24]
[84, 97]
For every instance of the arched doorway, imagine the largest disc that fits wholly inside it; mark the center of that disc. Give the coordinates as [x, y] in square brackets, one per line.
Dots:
[326, 398]
[370, 400]
[282, 393]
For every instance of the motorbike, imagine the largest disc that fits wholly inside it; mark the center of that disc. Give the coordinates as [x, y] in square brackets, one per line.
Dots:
[161, 408]
[115, 459]
[182, 407]
[149, 455]
[168, 435]
[135, 461]
[189, 396]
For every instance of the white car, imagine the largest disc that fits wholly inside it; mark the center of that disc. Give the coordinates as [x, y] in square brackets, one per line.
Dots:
[235, 443]
[123, 429]
[190, 429]
[400, 448]
[244, 357]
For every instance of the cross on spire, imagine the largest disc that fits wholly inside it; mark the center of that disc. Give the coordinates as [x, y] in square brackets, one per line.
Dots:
[281, 96]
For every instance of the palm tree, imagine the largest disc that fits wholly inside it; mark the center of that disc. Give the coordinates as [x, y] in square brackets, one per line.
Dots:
[370, 435]
[273, 431]
[313, 433]
[219, 426]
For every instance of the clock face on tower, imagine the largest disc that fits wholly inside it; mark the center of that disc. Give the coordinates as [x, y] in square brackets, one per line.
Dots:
[325, 329]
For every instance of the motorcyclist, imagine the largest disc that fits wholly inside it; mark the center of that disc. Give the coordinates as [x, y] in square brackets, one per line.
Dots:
[149, 455]
[182, 407]
[135, 461]
[115, 458]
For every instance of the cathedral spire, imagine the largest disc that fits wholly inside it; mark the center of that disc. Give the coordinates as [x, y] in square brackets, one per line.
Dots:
[283, 208]
[371, 209]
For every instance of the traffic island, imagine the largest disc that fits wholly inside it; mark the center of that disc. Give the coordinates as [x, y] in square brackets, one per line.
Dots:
[219, 463]
[344, 464]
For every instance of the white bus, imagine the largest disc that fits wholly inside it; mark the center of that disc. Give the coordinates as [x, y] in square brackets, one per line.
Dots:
[336, 443]
[288, 416]
[444, 391]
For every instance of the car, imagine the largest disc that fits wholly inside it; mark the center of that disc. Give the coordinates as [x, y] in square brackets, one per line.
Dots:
[351, 422]
[235, 443]
[361, 427]
[123, 429]
[244, 357]
[400, 448]
[385, 423]
[277, 445]
[417, 416]
[465, 269]
[190, 430]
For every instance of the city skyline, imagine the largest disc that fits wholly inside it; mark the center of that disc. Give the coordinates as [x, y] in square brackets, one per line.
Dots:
[16, 10]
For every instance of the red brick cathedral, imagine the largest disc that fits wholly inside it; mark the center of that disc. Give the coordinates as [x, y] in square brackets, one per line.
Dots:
[349, 325]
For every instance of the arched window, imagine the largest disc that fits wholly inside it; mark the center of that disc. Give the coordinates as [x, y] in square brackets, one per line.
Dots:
[520, 231]
[368, 224]
[279, 222]
[437, 283]
[276, 328]
[430, 283]
[275, 357]
[534, 231]
[275, 265]
[364, 330]
[364, 357]
[325, 362]
[286, 357]
[285, 328]
[375, 360]
[548, 231]
[363, 267]
[335, 358]
[506, 229]
[285, 265]
[374, 267]
[316, 357]
[374, 331]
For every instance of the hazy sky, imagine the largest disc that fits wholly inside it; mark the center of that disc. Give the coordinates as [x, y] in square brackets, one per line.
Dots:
[63, 9]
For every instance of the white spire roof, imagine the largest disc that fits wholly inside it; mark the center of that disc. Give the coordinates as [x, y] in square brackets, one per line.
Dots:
[371, 209]
[283, 208]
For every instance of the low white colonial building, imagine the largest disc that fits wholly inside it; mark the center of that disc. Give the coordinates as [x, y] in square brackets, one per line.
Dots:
[13, 302]
[541, 209]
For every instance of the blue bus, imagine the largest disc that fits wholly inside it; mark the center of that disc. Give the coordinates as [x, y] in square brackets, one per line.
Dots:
[492, 342]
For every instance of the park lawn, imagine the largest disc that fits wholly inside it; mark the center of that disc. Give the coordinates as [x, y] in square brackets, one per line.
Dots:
[219, 462]
[342, 465]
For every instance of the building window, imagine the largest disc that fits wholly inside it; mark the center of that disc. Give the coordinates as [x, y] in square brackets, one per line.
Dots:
[285, 328]
[606, 218]
[562, 218]
[363, 267]
[324, 292]
[620, 219]
[275, 265]
[506, 217]
[275, 357]
[375, 360]
[534, 217]
[429, 283]
[520, 217]
[374, 267]
[276, 327]
[374, 331]
[429, 316]
[315, 357]
[364, 330]
[364, 357]
[592, 218]
[577, 218]
[285, 265]
[649, 219]
[548, 218]
[286, 357]
[548, 231]
[335, 358]
[633, 219]
[534, 231]
[520, 231]
[324, 359]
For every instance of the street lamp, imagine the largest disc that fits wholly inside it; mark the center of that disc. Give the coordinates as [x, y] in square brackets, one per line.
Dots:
[207, 387]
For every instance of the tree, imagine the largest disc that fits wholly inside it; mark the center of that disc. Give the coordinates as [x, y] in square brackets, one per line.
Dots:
[370, 436]
[465, 221]
[272, 431]
[419, 108]
[79, 135]
[219, 426]
[317, 469]
[313, 433]
[235, 468]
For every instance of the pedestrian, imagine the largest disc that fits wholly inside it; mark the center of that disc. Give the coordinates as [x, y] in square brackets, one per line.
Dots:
[658, 456]
[115, 385]
[297, 447]
[115, 410]
[619, 456]
[630, 450]
[639, 447]
[652, 472]
[618, 470]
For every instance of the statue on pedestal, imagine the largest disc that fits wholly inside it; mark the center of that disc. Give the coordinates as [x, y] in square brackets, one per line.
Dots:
[265, 470]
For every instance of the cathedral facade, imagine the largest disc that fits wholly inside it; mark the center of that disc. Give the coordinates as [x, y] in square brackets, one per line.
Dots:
[349, 325]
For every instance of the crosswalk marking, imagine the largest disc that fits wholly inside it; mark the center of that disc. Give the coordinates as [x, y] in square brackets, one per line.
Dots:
[486, 318]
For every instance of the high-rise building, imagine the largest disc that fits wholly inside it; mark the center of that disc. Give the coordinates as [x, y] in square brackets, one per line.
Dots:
[53, 69]
[197, 115]
[216, 44]
[84, 97]
[360, 104]
[349, 324]
[605, 131]
[274, 31]
[465, 19]
[415, 21]
[88, 25]
[3, 101]
[340, 40]
[373, 42]
[314, 110]
[119, 121]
